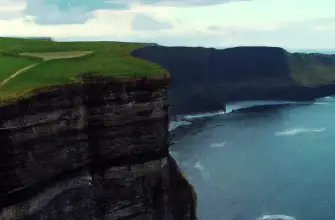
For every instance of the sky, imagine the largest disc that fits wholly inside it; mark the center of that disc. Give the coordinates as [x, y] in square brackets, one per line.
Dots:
[292, 24]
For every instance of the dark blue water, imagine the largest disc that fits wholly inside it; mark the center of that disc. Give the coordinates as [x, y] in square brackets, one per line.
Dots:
[280, 161]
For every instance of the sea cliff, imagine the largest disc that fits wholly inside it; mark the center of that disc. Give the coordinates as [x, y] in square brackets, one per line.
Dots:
[205, 79]
[95, 150]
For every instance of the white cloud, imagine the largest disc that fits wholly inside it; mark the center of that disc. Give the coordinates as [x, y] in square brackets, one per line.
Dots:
[219, 25]
[324, 25]
[47, 14]
[258, 27]
[11, 5]
[188, 2]
[143, 22]
[11, 9]
[320, 28]
[103, 22]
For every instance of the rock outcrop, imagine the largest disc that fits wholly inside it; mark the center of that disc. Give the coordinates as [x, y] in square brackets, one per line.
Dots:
[204, 79]
[91, 151]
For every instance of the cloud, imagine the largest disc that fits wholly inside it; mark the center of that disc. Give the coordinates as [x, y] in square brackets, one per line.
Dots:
[143, 22]
[7, 15]
[67, 11]
[323, 24]
[188, 3]
[290, 35]
[189, 38]
[11, 9]
[79, 11]
[259, 27]
[172, 22]
[44, 14]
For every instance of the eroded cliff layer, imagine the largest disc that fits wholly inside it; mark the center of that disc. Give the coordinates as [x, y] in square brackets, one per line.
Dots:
[204, 79]
[91, 151]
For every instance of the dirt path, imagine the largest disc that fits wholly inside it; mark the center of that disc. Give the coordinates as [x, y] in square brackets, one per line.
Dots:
[57, 55]
[16, 74]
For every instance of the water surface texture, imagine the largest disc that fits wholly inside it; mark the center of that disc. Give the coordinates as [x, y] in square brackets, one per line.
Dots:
[278, 161]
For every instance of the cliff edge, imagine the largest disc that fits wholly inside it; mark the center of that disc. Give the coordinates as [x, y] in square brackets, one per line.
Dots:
[92, 151]
[84, 134]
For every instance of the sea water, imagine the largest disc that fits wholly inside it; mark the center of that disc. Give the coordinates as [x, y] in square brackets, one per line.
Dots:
[272, 164]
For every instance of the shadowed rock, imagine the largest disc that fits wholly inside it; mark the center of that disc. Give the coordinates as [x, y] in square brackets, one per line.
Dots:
[91, 151]
[204, 79]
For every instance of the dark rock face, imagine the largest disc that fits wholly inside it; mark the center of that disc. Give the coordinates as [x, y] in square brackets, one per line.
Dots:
[204, 79]
[91, 151]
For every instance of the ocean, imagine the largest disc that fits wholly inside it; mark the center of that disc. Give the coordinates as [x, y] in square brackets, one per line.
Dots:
[258, 163]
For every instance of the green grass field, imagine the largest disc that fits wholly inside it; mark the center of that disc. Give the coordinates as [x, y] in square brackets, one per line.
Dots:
[10, 65]
[60, 63]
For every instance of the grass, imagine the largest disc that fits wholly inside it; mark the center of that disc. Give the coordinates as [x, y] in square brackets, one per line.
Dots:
[310, 70]
[62, 63]
[10, 65]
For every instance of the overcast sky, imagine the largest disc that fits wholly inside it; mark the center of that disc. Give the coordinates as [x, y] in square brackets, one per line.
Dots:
[296, 24]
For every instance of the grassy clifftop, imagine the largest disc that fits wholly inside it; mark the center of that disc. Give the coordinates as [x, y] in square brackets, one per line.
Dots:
[29, 64]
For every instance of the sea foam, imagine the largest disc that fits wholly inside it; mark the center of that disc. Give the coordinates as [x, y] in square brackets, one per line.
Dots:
[276, 217]
[295, 131]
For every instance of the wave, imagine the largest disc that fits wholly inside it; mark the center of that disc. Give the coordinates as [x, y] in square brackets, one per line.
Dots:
[218, 145]
[329, 97]
[233, 106]
[276, 217]
[322, 103]
[204, 115]
[184, 120]
[296, 131]
[230, 107]
[325, 99]
[175, 124]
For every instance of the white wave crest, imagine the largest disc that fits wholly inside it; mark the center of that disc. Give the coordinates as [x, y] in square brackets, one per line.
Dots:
[329, 97]
[204, 115]
[218, 145]
[187, 119]
[247, 104]
[326, 99]
[296, 131]
[233, 106]
[322, 103]
[175, 124]
[276, 217]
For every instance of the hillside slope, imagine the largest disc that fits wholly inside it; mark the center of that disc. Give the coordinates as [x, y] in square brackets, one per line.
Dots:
[204, 79]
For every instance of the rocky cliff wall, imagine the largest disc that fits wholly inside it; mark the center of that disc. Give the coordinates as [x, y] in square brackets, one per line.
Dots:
[91, 151]
[204, 79]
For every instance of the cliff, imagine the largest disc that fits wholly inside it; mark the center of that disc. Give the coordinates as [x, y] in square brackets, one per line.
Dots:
[84, 125]
[95, 150]
[204, 79]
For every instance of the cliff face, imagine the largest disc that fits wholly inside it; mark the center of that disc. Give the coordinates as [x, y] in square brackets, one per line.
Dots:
[91, 151]
[204, 79]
